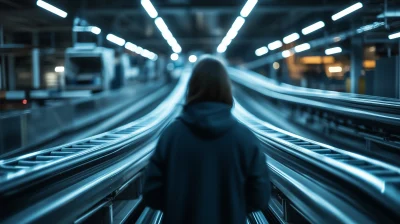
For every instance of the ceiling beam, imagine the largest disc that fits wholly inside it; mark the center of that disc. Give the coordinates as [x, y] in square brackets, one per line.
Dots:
[10, 3]
[173, 10]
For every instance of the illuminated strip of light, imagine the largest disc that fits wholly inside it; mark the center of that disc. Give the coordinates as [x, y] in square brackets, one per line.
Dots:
[174, 57]
[333, 50]
[116, 40]
[226, 41]
[95, 30]
[161, 25]
[335, 69]
[394, 36]
[248, 7]
[286, 53]
[275, 45]
[130, 46]
[59, 69]
[261, 51]
[192, 58]
[221, 48]
[302, 47]
[313, 27]
[167, 35]
[149, 8]
[231, 34]
[238, 23]
[51, 8]
[347, 11]
[290, 38]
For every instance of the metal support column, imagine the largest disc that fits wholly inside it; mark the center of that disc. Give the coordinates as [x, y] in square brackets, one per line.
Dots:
[2, 62]
[272, 72]
[11, 73]
[11, 78]
[356, 59]
[398, 73]
[35, 62]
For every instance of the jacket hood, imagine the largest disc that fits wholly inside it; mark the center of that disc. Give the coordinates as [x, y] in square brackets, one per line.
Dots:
[208, 119]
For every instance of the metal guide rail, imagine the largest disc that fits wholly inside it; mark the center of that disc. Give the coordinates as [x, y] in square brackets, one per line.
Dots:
[378, 103]
[23, 169]
[356, 117]
[259, 84]
[382, 179]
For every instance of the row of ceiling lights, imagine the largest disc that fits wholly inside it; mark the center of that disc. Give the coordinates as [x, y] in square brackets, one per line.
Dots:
[233, 31]
[96, 30]
[165, 32]
[309, 29]
[305, 31]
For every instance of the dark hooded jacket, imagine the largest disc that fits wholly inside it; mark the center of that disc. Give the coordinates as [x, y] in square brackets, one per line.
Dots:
[207, 168]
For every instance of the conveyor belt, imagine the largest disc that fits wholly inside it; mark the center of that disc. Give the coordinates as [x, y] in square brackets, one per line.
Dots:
[375, 120]
[25, 168]
[380, 179]
[80, 177]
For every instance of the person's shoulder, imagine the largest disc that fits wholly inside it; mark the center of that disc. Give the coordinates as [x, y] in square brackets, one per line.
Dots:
[173, 127]
[244, 133]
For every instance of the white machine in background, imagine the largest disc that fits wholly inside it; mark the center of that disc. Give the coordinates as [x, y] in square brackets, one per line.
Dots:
[131, 71]
[90, 68]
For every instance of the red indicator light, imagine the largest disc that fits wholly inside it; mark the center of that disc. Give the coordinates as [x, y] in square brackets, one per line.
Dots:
[24, 101]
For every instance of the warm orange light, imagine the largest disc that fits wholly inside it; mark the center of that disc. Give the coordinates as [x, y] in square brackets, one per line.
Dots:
[24, 101]
[369, 64]
[316, 60]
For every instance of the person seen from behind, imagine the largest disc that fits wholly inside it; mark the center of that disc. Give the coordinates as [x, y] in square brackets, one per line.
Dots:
[207, 167]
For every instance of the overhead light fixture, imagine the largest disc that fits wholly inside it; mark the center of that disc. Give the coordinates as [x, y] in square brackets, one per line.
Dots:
[167, 35]
[139, 50]
[149, 8]
[231, 34]
[261, 51]
[313, 27]
[335, 69]
[237, 24]
[333, 50]
[174, 57]
[116, 40]
[51, 8]
[161, 25]
[177, 49]
[286, 53]
[290, 38]
[154, 57]
[95, 30]
[131, 47]
[248, 7]
[275, 45]
[347, 11]
[221, 48]
[192, 58]
[302, 47]
[59, 69]
[276, 65]
[239, 21]
[394, 36]
[226, 41]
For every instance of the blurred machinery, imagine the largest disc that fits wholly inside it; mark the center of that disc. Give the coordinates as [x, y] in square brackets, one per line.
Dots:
[89, 68]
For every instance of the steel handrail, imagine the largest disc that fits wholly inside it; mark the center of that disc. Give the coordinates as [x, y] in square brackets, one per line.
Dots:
[380, 178]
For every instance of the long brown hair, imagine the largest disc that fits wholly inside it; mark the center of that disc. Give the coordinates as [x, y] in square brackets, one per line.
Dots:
[209, 82]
